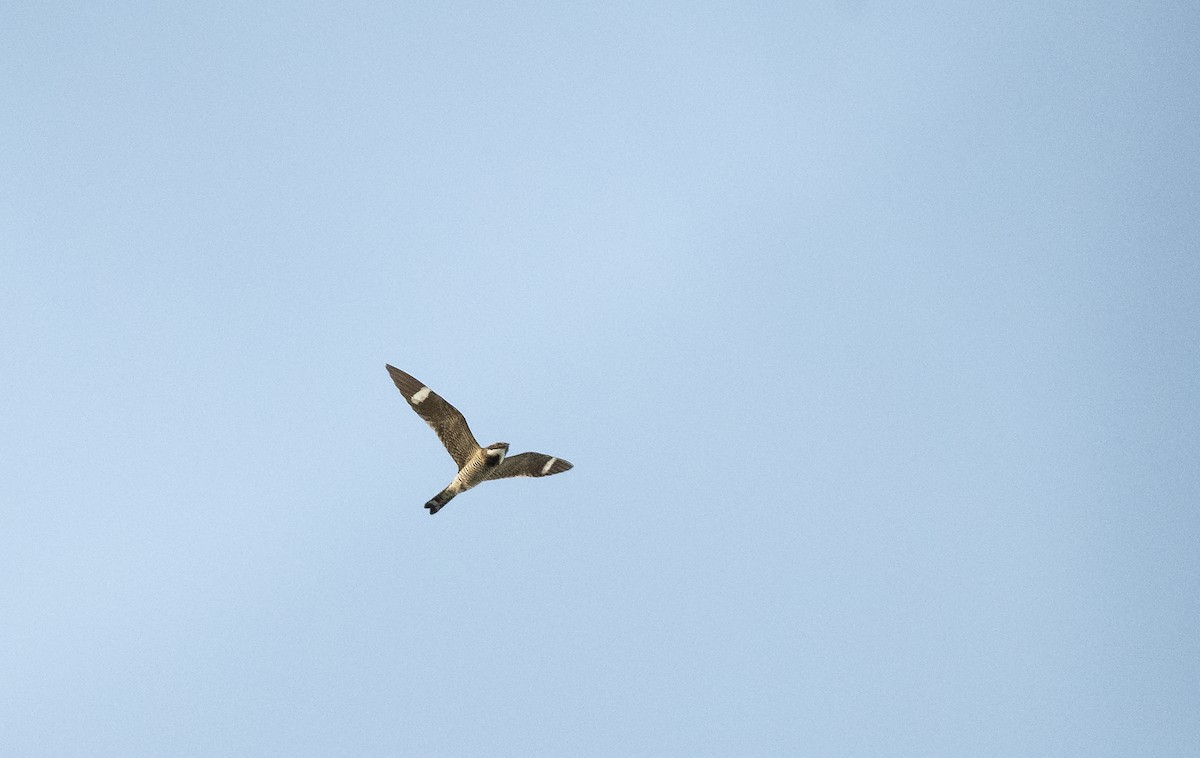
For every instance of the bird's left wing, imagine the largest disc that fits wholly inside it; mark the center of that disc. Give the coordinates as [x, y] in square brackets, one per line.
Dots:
[530, 464]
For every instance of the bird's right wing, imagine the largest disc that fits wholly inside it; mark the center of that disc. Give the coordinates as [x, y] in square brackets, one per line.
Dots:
[445, 419]
[529, 464]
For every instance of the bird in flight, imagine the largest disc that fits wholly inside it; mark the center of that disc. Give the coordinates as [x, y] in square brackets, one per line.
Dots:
[475, 464]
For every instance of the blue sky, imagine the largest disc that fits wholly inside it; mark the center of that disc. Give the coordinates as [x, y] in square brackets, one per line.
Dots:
[870, 330]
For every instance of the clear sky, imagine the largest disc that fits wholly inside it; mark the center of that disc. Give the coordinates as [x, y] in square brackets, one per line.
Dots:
[871, 332]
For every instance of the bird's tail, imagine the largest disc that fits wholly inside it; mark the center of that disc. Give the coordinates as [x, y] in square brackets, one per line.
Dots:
[439, 500]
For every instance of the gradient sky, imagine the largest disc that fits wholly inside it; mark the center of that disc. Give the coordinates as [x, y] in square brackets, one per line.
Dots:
[871, 332]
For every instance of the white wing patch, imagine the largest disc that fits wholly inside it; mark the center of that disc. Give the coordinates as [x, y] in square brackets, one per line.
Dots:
[549, 463]
[420, 395]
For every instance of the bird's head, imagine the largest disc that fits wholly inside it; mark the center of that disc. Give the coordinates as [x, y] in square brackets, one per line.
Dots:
[497, 450]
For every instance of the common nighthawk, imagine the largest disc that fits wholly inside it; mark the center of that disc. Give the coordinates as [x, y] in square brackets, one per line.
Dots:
[475, 464]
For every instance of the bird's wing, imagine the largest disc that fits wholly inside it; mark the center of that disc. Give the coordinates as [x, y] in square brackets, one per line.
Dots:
[529, 464]
[445, 419]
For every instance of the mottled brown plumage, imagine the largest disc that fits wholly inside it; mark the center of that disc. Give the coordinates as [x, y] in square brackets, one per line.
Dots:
[475, 464]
